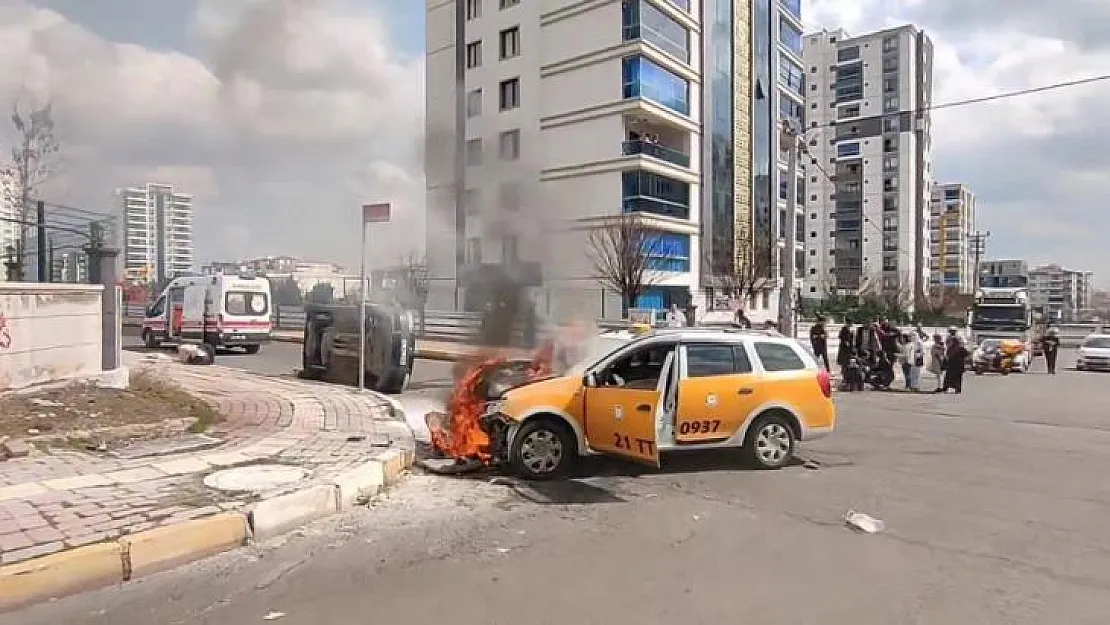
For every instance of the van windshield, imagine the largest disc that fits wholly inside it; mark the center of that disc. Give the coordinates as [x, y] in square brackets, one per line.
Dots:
[246, 303]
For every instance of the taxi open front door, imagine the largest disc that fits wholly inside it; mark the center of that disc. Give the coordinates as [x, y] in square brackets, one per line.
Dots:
[624, 421]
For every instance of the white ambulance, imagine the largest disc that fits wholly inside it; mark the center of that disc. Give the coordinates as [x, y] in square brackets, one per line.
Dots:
[223, 311]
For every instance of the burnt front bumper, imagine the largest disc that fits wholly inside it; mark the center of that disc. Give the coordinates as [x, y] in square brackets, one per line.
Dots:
[496, 426]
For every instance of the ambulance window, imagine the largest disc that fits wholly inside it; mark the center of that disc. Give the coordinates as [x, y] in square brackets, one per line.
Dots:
[158, 308]
[246, 303]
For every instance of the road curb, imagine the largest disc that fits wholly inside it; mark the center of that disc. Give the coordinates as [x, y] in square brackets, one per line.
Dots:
[136, 555]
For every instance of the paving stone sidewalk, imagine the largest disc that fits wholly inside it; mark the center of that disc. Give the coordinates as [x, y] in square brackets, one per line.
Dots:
[57, 499]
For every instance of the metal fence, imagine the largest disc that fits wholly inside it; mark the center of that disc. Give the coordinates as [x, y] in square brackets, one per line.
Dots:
[462, 327]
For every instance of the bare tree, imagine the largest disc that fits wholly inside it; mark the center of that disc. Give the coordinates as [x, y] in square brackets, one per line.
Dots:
[739, 272]
[621, 249]
[31, 167]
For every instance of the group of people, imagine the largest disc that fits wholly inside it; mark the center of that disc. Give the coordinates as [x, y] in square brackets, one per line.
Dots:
[880, 346]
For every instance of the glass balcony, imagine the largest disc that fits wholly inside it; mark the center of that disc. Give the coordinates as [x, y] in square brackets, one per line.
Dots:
[793, 7]
[644, 79]
[650, 148]
[647, 192]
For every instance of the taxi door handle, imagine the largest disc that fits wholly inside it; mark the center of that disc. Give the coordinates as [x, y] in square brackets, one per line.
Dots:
[747, 391]
[644, 408]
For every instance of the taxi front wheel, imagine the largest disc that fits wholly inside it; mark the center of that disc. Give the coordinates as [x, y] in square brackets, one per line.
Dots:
[543, 449]
[770, 441]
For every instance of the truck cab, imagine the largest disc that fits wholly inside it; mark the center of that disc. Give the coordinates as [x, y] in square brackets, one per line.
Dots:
[1002, 309]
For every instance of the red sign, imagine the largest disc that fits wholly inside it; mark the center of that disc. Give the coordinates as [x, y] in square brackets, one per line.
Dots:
[375, 213]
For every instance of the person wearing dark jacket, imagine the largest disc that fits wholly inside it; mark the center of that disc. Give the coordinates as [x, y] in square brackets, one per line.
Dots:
[1050, 345]
[819, 341]
[844, 347]
[955, 362]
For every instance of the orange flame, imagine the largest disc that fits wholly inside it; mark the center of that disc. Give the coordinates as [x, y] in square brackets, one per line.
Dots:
[458, 434]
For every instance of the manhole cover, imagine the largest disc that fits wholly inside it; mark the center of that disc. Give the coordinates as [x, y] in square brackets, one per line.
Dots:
[256, 478]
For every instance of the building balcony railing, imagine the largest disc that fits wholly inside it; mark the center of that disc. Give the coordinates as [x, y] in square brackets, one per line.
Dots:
[655, 206]
[650, 148]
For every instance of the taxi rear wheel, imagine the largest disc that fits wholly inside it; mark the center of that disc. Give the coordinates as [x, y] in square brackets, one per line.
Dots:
[770, 442]
[543, 449]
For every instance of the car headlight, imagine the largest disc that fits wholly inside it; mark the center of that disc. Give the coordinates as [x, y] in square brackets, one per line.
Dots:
[493, 407]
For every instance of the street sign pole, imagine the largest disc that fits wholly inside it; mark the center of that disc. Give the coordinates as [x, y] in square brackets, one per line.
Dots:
[362, 309]
[371, 213]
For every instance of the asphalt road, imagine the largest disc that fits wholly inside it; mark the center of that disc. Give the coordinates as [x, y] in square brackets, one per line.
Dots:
[995, 504]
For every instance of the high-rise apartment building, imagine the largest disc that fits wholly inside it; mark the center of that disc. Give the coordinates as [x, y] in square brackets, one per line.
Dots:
[157, 232]
[952, 257]
[1061, 293]
[869, 137]
[546, 118]
[9, 214]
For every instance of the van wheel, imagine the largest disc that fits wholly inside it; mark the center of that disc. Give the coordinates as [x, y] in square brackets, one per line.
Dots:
[543, 449]
[770, 441]
[252, 349]
[150, 341]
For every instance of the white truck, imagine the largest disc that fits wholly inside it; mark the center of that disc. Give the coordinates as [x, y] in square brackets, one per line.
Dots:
[1002, 310]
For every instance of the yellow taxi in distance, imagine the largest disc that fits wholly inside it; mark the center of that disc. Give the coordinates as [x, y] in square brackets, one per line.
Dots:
[667, 391]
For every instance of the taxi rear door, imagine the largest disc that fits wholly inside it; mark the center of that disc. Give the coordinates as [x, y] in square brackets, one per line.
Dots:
[717, 391]
[624, 421]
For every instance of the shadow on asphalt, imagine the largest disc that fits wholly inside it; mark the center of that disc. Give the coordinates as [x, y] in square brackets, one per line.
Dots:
[599, 479]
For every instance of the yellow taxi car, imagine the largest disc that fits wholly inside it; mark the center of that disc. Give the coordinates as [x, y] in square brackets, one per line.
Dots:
[667, 391]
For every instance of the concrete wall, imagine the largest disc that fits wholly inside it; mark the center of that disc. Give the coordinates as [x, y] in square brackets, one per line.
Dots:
[48, 332]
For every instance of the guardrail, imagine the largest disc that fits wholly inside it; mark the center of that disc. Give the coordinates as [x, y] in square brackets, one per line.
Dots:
[462, 327]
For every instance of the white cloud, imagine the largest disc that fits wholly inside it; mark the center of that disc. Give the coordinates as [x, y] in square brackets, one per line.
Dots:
[1037, 162]
[294, 113]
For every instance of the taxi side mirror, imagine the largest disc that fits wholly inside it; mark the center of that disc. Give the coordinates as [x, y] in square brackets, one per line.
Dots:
[590, 380]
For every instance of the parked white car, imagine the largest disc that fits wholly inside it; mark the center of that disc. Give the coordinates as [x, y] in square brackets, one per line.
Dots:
[1094, 353]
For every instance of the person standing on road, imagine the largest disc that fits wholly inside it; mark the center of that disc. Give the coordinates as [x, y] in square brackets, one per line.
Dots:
[955, 359]
[936, 361]
[742, 320]
[917, 362]
[844, 347]
[1050, 344]
[905, 356]
[819, 341]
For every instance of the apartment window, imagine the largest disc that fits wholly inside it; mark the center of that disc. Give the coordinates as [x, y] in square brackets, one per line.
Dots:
[790, 37]
[474, 152]
[890, 203]
[474, 103]
[792, 75]
[510, 43]
[890, 163]
[853, 91]
[474, 251]
[848, 149]
[890, 144]
[890, 85]
[508, 4]
[890, 183]
[510, 145]
[789, 109]
[846, 112]
[510, 249]
[473, 9]
[850, 53]
[890, 64]
[892, 124]
[644, 79]
[890, 263]
[890, 44]
[890, 104]
[473, 54]
[471, 203]
[509, 94]
[890, 222]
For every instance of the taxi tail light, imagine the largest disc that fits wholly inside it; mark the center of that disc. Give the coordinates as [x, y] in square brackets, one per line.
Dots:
[825, 382]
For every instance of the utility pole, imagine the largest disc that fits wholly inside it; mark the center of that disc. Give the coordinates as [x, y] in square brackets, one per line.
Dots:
[978, 241]
[789, 144]
[40, 241]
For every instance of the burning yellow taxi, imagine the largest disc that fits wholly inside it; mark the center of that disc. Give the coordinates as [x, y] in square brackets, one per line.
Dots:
[667, 391]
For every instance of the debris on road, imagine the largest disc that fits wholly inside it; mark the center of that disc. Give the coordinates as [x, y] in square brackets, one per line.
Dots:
[273, 616]
[812, 465]
[863, 522]
[449, 466]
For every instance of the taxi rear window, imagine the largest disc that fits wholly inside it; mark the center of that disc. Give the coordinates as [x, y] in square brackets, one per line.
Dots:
[778, 357]
[706, 360]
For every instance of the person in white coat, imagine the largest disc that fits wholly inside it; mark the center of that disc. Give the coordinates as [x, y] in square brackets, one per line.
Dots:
[916, 358]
